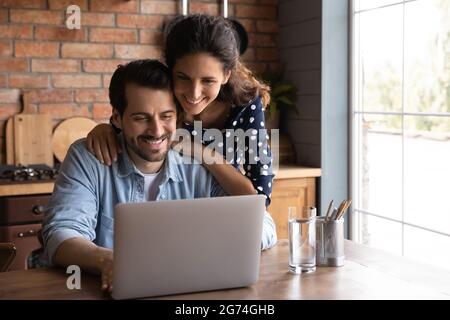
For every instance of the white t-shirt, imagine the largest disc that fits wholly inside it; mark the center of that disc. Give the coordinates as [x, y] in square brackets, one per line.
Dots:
[151, 185]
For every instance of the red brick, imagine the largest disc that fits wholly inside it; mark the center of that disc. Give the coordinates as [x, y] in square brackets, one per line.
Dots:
[10, 95]
[76, 81]
[101, 111]
[159, 7]
[91, 95]
[267, 26]
[28, 4]
[63, 4]
[269, 54]
[5, 48]
[275, 66]
[112, 35]
[242, 1]
[55, 66]
[150, 37]
[3, 80]
[97, 19]
[79, 50]
[60, 34]
[261, 40]
[114, 6]
[50, 95]
[137, 52]
[249, 55]
[106, 80]
[272, 2]
[203, 7]
[3, 15]
[13, 65]
[139, 21]
[100, 65]
[36, 49]
[28, 81]
[64, 110]
[7, 110]
[267, 12]
[16, 31]
[256, 67]
[37, 16]
[248, 24]
[230, 11]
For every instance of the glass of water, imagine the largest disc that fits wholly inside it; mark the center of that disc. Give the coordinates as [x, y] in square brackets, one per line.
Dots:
[302, 239]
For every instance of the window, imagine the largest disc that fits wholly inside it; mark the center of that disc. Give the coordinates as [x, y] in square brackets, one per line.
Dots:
[401, 127]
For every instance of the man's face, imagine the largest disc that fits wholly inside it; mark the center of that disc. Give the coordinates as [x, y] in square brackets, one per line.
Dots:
[148, 122]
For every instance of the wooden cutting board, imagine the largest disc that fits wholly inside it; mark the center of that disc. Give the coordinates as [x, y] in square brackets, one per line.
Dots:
[68, 132]
[32, 137]
[10, 141]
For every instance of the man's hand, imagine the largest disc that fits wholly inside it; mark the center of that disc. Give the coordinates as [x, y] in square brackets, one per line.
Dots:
[88, 256]
[106, 269]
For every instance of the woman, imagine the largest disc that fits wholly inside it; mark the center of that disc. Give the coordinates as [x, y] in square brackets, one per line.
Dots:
[214, 87]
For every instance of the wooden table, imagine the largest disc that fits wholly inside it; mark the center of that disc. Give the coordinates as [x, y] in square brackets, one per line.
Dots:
[367, 274]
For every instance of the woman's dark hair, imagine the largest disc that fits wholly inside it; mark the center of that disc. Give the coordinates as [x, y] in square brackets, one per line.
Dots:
[200, 33]
[147, 73]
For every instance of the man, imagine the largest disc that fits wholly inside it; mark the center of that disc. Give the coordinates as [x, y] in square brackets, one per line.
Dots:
[78, 225]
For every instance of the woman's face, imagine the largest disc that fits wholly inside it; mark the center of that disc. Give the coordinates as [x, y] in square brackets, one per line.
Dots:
[197, 81]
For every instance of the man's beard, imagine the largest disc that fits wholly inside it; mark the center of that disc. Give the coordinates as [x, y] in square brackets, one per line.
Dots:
[149, 155]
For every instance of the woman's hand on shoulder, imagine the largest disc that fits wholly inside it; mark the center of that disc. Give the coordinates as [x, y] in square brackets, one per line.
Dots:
[102, 142]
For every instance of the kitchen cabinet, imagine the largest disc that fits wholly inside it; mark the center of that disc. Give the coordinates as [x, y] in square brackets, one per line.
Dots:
[292, 186]
[21, 212]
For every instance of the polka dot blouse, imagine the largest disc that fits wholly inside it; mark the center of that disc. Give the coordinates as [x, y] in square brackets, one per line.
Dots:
[253, 154]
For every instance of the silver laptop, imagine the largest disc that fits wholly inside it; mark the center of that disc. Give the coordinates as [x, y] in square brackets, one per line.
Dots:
[181, 246]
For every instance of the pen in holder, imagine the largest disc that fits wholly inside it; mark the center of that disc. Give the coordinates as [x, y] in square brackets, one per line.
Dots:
[329, 242]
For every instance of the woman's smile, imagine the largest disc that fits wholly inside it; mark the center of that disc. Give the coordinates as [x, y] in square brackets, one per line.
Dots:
[198, 79]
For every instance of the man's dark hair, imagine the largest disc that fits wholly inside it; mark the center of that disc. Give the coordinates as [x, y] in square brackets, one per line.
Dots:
[146, 73]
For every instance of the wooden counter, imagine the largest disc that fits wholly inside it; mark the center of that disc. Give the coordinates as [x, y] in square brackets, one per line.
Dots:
[293, 172]
[25, 188]
[367, 274]
[293, 186]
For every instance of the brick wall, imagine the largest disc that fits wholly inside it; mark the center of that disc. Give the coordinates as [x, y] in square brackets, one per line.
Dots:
[69, 71]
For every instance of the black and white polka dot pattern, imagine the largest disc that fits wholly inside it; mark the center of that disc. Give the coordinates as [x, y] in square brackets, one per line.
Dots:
[249, 117]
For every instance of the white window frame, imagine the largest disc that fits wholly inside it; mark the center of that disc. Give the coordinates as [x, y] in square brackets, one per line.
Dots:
[355, 213]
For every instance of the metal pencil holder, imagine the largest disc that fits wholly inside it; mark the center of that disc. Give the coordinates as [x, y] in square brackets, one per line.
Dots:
[329, 242]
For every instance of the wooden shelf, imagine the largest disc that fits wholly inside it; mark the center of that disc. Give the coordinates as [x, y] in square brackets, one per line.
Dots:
[292, 172]
[26, 188]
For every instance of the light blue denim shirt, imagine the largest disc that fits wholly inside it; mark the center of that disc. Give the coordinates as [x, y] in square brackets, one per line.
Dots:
[86, 192]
